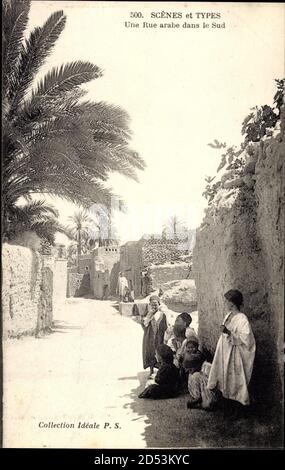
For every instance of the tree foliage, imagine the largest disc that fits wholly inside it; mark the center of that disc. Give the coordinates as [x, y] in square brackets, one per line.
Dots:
[55, 141]
[255, 126]
[36, 216]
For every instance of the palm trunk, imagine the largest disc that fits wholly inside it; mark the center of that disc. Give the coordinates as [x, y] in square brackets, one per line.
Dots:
[78, 249]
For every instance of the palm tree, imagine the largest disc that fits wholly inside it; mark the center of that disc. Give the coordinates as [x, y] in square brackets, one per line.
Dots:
[80, 228]
[34, 216]
[174, 228]
[53, 141]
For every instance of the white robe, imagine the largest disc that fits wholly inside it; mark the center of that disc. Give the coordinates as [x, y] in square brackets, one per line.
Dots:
[233, 361]
[122, 284]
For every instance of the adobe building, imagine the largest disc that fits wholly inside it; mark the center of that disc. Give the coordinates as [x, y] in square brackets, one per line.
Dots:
[104, 271]
[159, 259]
[96, 274]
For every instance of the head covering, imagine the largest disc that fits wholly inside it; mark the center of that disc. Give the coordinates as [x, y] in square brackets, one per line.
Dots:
[234, 296]
[154, 297]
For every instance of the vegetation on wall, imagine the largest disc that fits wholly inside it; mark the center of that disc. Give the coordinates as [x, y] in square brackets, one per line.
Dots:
[259, 123]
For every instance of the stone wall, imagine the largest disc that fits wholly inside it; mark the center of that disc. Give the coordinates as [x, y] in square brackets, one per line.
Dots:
[157, 254]
[240, 245]
[59, 283]
[180, 296]
[168, 272]
[159, 251]
[78, 285]
[27, 290]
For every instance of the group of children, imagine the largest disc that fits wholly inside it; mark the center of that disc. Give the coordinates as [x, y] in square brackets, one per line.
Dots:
[177, 355]
[174, 351]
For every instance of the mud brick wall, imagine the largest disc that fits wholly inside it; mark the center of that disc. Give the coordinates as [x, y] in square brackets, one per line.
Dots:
[131, 264]
[26, 292]
[159, 251]
[240, 244]
[153, 253]
[78, 285]
[109, 258]
[59, 283]
[165, 273]
[85, 261]
[58, 267]
[99, 281]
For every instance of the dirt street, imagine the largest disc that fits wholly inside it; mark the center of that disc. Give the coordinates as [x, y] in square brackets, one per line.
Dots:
[78, 387]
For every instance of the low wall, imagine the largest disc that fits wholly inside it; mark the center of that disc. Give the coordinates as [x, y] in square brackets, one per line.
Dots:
[168, 272]
[27, 292]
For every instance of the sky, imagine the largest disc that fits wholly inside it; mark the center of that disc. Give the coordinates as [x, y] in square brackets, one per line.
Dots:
[182, 88]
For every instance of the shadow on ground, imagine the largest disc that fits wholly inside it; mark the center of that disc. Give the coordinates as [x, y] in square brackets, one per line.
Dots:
[59, 325]
[168, 423]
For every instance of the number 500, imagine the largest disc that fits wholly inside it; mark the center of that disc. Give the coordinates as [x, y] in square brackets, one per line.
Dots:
[136, 14]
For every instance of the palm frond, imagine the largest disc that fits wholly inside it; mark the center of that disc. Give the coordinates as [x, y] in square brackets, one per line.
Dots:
[53, 142]
[65, 78]
[15, 19]
[40, 207]
[34, 52]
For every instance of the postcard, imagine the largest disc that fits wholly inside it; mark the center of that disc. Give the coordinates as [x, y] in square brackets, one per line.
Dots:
[143, 224]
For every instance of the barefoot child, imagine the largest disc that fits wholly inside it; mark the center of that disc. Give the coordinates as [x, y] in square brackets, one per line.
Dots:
[166, 381]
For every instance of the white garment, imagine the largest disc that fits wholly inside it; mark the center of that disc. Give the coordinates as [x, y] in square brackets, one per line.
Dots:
[233, 361]
[122, 284]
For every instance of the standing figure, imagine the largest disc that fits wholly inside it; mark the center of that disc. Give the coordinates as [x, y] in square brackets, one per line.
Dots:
[154, 324]
[233, 361]
[122, 284]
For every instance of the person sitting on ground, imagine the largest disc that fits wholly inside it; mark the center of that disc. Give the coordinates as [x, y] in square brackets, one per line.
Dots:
[166, 382]
[182, 322]
[200, 395]
[175, 335]
[190, 360]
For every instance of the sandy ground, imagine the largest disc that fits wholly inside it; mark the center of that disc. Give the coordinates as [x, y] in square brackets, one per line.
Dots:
[89, 370]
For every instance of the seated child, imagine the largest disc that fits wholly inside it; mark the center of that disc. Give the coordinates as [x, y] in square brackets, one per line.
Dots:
[176, 340]
[166, 381]
[191, 359]
[200, 395]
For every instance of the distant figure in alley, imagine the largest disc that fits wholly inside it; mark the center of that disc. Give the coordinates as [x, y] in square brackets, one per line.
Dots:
[122, 285]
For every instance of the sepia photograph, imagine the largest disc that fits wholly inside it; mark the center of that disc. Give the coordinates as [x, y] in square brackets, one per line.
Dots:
[143, 155]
